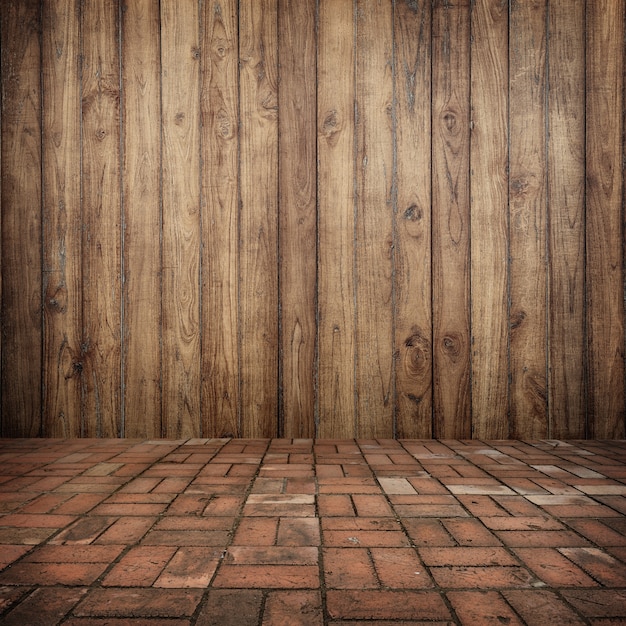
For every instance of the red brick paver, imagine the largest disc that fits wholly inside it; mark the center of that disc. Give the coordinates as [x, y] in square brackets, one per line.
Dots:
[255, 532]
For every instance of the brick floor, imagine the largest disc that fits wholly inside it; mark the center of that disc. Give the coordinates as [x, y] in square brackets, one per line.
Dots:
[204, 532]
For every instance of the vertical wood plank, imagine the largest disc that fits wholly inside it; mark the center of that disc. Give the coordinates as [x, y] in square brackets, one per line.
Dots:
[566, 189]
[528, 228]
[374, 219]
[413, 310]
[141, 180]
[604, 222]
[335, 146]
[101, 219]
[62, 225]
[451, 219]
[259, 217]
[220, 205]
[489, 219]
[20, 243]
[297, 211]
[180, 69]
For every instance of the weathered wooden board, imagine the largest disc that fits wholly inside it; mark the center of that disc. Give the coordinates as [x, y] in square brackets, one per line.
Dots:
[489, 220]
[180, 84]
[258, 249]
[20, 242]
[528, 221]
[297, 214]
[62, 221]
[220, 220]
[566, 218]
[451, 219]
[101, 210]
[604, 117]
[412, 254]
[335, 155]
[141, 185]
[374, 243]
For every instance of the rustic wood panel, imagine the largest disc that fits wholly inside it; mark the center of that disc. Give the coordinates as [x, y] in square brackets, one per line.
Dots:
[62, 220]
[21, 220]
[374, 225]
[527, 225]
[335, 292]
[604, 218]
[101, 280]
[566, 192]
[258, 108]
[489, 219]
[298, 217]
[412, 255]
[451, 219]
[330, 218]
[141, 185]
[180, 82]
[220, 223]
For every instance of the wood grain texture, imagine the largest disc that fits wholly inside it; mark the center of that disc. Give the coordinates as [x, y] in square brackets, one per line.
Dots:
[489, 220]
[62, 221]
[374, 220]
[451, 220]
[101, 282]
[335, 148]
[220, 224]
[412, 255]
[605, 218]
[528, 225]
[20, 243]
[141, 181]
[180, 78]
[566, 194]
[298, 216]
[259, 216]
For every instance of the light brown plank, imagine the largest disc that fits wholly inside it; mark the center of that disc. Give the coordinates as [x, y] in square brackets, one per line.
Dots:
[413, 310]
[374, 220]
[220, 202]
[335, 147]
[604, 222]
[20, 244]
[566, 189]
[489, 220]
[259, 217]
[297, 211]
[450, 228]
[102, 218]
[528, 227]
[180, 73]
[62, 347]
[141, 180]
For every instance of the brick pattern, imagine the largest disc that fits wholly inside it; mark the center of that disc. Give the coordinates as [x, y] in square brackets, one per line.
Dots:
[259, 532]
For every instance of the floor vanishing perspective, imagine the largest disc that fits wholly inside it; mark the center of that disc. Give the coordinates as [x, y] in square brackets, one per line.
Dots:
[250, 532]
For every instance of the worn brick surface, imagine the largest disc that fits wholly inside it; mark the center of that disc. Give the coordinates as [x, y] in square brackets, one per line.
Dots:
[295, 531]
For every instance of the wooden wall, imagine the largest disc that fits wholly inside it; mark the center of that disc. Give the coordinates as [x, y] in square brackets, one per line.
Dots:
[331, 218]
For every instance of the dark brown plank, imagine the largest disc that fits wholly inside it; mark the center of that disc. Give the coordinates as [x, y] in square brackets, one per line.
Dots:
[528, 226]
[604, 222]
[20, 243]
[335, 147]
[297, 226]
[451, 220]
[101, 218]
[62, 220]
[258, 248]
[141, 180]
[412, 255]
[220, 260]
[489, 220]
